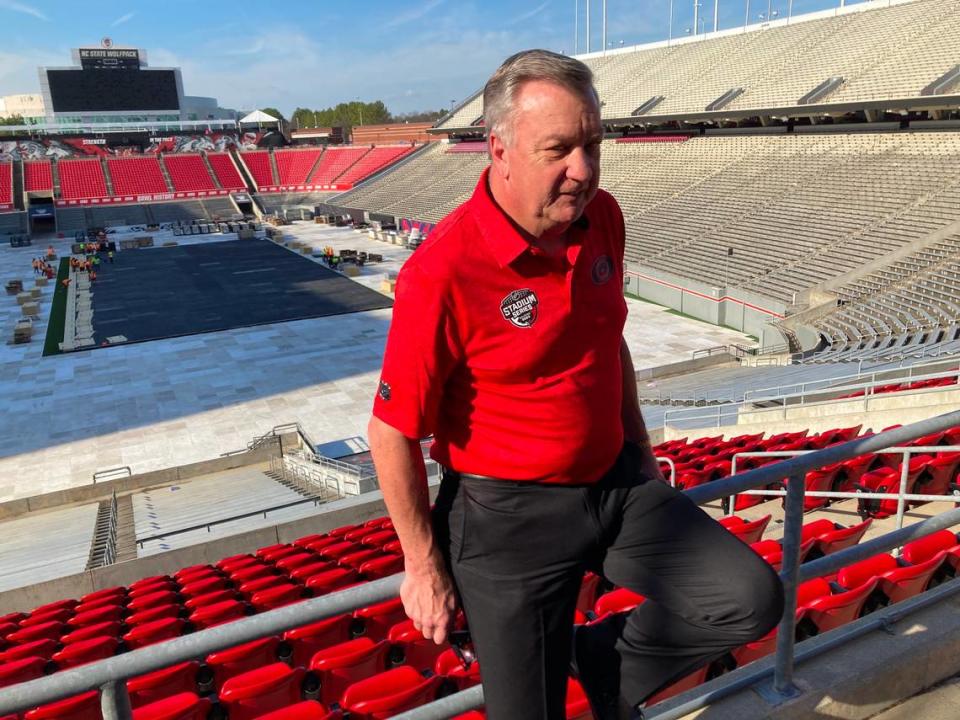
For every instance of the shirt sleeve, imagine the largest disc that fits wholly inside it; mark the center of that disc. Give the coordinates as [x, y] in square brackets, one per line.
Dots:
[422, 350]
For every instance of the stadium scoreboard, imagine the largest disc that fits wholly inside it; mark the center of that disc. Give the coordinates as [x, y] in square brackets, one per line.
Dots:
[109, 58]
[111, 81]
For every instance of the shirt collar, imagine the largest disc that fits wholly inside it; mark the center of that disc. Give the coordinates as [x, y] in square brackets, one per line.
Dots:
[504, 239]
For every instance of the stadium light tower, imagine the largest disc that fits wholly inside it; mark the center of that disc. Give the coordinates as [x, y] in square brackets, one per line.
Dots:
[670, 24]
[576, 26]
[716, 15]
[696, 15]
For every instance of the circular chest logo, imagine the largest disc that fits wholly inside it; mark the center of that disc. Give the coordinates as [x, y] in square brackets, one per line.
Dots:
[520, 308]
[602, 270]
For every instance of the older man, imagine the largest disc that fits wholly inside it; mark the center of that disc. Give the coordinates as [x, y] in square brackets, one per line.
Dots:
[506, 345]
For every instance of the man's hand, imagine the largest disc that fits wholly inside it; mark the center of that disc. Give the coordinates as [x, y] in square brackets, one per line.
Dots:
[429, 599]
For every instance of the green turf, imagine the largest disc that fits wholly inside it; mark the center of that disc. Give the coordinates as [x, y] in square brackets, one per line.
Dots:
[58, 312]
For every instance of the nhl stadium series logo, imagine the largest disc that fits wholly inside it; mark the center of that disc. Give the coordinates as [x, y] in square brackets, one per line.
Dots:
[520, 308]
[602, 270]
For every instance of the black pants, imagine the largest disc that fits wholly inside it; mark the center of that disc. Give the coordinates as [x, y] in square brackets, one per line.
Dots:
[518, 552]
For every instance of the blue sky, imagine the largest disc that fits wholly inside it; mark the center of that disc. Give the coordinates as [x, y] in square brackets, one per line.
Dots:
[412, 54]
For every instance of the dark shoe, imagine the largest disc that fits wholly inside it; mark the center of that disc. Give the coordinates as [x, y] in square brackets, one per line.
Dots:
[596, 664]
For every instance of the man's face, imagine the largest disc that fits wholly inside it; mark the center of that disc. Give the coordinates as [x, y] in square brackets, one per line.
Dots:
[551, 164]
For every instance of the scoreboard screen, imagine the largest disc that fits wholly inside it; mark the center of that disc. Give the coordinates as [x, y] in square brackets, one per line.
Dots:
[113, 90]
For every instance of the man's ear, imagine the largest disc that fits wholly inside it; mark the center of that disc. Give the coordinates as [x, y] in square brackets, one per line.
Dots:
[499, 156]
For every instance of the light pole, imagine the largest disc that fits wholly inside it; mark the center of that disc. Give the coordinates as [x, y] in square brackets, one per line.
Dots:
[576, 26]
[670, 25]
[716, 15]
[604, 27]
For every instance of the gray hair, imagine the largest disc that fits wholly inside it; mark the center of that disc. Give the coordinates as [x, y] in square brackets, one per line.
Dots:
[527, 66]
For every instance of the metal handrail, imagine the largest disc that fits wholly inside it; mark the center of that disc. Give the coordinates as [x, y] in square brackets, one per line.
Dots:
[110, 551]
[826, 394]
[122, 471]
[109, 675]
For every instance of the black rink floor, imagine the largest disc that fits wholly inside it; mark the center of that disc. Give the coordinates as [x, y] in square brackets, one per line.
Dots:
[166, 292]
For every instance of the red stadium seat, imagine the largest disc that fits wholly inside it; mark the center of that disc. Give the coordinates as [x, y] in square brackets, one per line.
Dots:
[151, 599]
[276, 596]
[306, 710]
[154, 632]
[418, 652]
[295, 560]
[104, 629]
[341, 665]
[96, 615]
[274, 553]
[305, 641]
[164, 683]
[44, 648]
[185, 706]
[373, 161]
[922, 549]
[21, 670]
[619, 600]
[697, 677]
[46, 630]
[217, 613]
[85, 651]
[358, 558]
[379, 538]
[448, 666]
[49, 615]
[748, 532]
[137, 175]
[303, 573]
[226, 172]
[188, 173]
[375, 621]
[331, 580]
[294, 166]
[85, 706]
[382, 567]
[117, 593]
[832, 611]
[216, 596]
[257, 692]
[389, 693]
[258, 165]
[158, 612]
[577, 704]
[236, 660]
[81, 179]
[202, 586]
[589, 590]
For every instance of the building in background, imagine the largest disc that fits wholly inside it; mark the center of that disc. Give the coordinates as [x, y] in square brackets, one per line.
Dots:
[28, 106]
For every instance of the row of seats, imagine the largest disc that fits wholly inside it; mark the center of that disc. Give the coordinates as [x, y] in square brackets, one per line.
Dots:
[901, 387]
[188, 173]
[6, 183]
[708, 459]
[37, 176]
[137, 175]
[373, 662]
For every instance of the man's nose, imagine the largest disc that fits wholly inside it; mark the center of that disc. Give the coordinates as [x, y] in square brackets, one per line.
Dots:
[580, 166]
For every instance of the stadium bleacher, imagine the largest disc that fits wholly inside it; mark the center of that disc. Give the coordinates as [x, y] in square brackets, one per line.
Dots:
[225, 171]
[258, 164]
[6, 184]
[188, 173]
[37, 176]
[81, 179]
[374, 161]
[373, 658]
[334, 162]
[137, 176]
[295, 166]
[878, 51]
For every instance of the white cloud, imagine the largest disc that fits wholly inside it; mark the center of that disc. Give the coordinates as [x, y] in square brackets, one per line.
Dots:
[530, 13]
[122, 19]
[413, 14]
[23, 8]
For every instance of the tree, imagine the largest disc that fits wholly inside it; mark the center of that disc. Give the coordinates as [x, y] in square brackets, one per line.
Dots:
[13, 120]
[304, 118]
[420, 116]
[274, 112]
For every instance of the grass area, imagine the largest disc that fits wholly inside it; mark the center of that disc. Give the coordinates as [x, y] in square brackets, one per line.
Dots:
[58, 311]
[633, 296]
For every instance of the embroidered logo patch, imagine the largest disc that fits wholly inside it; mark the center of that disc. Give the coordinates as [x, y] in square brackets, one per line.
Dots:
[602, 270]
[520, 308]
[384, 391]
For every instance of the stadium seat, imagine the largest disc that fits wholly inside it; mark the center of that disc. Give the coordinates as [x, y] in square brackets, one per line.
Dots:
[257, 692]
[202, 586]
[37, 176]
[294, 166]
[81, 179]
[306, 710]
[46, 630]
[85, 706]
[276, 596]
[698, 677]
[258, 165]
[304, 572]
[153, 632]
[832, 611]
[217, 613]
[185, 706]
[164, 683]
[44, 648]
[449, 667]
[104, 629]
[199, 601]
[830, 538]
[389, 693]
[375, 621]
[414, 648]
[338, 666]
[619, 600]
[21, 670]
[356, 559]
[331, 580]
[302, 643]
[85, 651]
[382, 567]
[96, 615]
[748, 532]
[157, 612]
[188, 173]
[226, 172]
[137, 175]
[589, 591]
[236, 660]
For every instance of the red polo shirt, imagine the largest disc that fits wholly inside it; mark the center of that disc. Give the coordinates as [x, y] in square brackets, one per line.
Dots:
[509, 358]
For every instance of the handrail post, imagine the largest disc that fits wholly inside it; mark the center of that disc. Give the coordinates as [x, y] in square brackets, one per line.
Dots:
[904, 474]
[115, 701]
[790, 571]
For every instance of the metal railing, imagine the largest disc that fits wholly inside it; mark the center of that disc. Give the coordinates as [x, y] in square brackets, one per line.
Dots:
[112, 473]
[110, 549]
[273, 436]
[729, 411]
[109, 675]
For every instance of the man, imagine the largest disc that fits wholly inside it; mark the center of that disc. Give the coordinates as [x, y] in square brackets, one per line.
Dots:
[506, 345]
